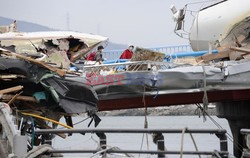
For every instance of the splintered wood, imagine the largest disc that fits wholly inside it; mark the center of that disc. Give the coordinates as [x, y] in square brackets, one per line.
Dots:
[10, 90]
[232, 53]
[60, 72]
[142, 54]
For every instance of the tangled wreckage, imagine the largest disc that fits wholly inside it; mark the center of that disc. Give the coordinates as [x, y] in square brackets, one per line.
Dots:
[36, 79]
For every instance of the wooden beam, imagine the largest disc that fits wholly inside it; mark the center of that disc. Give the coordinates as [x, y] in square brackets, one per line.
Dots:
[245, 50]
[79, 54]
[210, 57]
[12, 89]
[60, 72]
[10, 76]
[14, 98]
[21, 98]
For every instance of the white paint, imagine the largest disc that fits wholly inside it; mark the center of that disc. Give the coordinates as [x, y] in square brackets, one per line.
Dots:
[50, 35]
[213, 23]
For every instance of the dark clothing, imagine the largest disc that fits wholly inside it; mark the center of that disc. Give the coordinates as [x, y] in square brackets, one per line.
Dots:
[98, 57]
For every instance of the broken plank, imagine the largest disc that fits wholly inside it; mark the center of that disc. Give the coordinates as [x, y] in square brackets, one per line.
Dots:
[245, 50]
[12, 89]
[21, 98]
[60, 72]
[210, 57]
[246, 56]
[235, 55]
[10, 76]
[79, 54]
[14, 98]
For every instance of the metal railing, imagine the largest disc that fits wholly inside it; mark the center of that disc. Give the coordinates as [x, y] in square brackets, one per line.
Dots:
[127, 66]
[115, 54]
[246, 145]
[158, 139]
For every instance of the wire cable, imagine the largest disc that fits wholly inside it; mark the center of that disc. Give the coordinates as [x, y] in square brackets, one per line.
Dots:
[230, 137]
[195, 145]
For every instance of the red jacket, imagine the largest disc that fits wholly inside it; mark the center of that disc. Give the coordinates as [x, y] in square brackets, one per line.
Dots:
[127, 54]
[91, 56]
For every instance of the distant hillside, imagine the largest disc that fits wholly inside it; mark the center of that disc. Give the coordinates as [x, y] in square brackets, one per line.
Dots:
[24, 26]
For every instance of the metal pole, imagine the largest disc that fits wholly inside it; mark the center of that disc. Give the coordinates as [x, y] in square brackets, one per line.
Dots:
[140, 152]
[103, 141]
[161, 145]
[223, 142]
[200, 131]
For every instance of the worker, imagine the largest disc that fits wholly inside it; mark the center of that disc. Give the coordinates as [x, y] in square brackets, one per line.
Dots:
[13, 27]
[92, 56]
[128, 53]
[98, 55]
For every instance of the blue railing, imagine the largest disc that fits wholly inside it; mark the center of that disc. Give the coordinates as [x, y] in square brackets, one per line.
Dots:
[170, 50]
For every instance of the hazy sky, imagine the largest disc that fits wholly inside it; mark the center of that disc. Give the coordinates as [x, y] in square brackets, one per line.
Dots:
[145, 23]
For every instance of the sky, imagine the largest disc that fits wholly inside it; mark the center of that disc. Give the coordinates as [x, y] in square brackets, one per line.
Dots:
[146, 23]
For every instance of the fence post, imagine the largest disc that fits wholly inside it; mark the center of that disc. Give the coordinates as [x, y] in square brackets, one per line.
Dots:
[103, 141]
[223, 141]
[158, 139]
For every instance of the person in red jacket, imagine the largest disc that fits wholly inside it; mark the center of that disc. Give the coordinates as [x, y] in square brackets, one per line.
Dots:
[128, 53]
[92, 56]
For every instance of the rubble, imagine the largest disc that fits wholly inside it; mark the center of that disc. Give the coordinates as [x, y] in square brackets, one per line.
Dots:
[233, 45]
[142, 54]
[37, 81]
[57, 48]
[57, 90]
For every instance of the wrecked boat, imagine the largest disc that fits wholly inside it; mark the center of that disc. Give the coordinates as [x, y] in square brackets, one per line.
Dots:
[36, 79]
[133, 84]
[56, 47]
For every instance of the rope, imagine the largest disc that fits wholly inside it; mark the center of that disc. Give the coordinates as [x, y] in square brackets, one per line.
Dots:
[200, 111]
[182, 141]
[47, 119]
[141, 144]
[76, 123]
[145, 120]
[205, 98]
[81, 121]
[230, 137]
[195, 145]
[107, 149]
[102, 151]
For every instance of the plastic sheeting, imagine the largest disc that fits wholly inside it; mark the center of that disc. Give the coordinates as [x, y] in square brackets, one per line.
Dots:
[69, 93]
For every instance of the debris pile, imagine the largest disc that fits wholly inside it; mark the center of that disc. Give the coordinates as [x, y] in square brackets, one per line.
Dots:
[37, 83]
[234, 45]
[57, 48]
[142, 54]
[31, 85]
